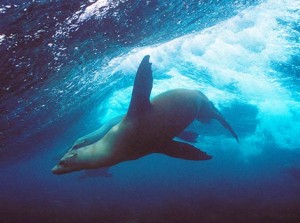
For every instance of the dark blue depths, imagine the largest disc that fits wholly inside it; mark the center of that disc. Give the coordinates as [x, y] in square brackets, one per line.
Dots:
[68, 66]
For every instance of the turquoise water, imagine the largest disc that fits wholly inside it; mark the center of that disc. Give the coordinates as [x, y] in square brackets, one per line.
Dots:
[67, 68]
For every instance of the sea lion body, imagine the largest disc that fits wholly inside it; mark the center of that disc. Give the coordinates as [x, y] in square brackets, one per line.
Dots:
[171, 113]
[148, 127]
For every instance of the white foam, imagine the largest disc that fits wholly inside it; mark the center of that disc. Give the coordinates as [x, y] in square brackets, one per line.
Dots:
[238, 55]
[98, 9]
[2, 37]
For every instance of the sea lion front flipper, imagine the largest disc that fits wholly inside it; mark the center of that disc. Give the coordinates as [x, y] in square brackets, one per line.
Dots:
[183, 151]
[96, 135]
[102, 172]
[143, 83]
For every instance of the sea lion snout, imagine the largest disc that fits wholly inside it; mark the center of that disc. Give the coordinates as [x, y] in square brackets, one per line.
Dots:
[67, 164]
[57, 169]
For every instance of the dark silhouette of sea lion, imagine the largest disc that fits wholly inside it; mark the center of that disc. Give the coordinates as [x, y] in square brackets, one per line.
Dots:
[148, 127]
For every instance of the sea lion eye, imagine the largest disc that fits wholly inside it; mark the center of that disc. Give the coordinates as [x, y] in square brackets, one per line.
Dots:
[62, 162]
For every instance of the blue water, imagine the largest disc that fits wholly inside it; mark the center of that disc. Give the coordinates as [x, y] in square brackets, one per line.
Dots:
[67, 67]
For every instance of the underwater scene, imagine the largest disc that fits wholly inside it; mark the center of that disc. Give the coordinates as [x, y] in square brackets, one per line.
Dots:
[67, 69]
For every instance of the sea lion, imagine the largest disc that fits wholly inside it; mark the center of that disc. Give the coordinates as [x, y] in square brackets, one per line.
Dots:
[188, 136]
[93, 137]
[148, 127]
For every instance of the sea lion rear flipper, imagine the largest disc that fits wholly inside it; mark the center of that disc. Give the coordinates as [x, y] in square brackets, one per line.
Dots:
[183, 151]
[218, 116]
[143, 84]
[188, 136]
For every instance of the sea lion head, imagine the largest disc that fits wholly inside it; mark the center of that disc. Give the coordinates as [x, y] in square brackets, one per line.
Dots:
[71, 161]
